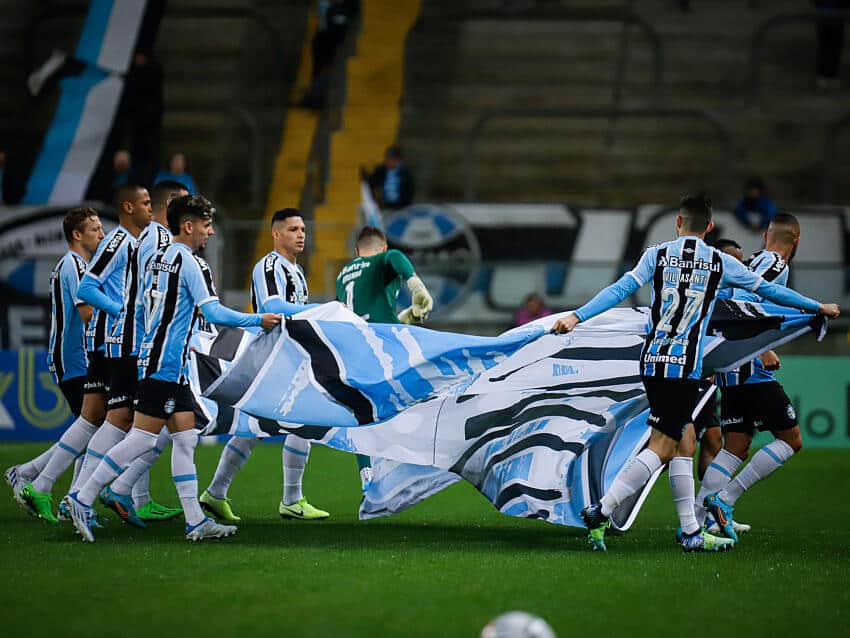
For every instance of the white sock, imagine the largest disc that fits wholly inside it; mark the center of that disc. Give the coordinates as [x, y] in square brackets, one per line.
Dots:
[716, 477]
[138, 471]
[681, 471]
[29, 470]
[295, 453]
[764, 463]
[184, 474]
[106, 438]
[142, 487]
[135, 444]
[71, 445]
[78, 465]
[234, 455]
[631, 478]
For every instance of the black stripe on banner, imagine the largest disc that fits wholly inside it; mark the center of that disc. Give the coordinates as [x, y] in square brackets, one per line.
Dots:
[209, 369]
[517, 489]
[168, 310]
[628, 353]
[542, 439]
[327, 372]
[520, 412]
[226, 343]
[307, 432]
[599, 383]
[59, 323]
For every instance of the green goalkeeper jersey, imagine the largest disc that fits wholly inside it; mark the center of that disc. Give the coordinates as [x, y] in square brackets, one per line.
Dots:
[368, 286]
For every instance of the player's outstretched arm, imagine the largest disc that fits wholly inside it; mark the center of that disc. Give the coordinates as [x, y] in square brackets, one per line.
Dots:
[90, 293]
[278, 306]
[220, 315]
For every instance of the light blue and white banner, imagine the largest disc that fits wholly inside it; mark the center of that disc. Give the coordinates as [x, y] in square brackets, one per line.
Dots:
[541, 424]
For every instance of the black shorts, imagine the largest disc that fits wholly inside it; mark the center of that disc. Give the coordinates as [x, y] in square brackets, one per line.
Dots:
[163, 398]
[97, 374]
[123, 381]
[72, 390]
[707, 417]
[756, 406]
[671, 404]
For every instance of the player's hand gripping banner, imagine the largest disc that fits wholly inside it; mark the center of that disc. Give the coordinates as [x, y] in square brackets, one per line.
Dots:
[541, 424]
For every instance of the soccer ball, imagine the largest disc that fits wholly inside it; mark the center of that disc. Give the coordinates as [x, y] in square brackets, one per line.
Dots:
[517, 624]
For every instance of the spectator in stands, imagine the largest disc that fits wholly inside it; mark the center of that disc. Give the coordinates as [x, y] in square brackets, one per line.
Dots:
[334, 19]
[177, 173]
[391, 182]
[532, 308]
[830, 30]
[755, 209]
[122, 169]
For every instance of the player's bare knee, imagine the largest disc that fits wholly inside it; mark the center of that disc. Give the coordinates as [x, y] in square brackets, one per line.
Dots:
[793, 437]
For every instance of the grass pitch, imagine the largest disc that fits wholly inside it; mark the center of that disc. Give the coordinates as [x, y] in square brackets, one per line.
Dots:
[443, 568]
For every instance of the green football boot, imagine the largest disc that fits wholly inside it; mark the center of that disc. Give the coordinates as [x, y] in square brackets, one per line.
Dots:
[42, 504]
[153, 511]
[596, 523]
[218, 507]
[303, 510]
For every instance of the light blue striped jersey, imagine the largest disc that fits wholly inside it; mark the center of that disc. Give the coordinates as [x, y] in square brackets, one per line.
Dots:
[66, 353]
[177, 282]
[107, 272]
[275, 277]
[771, 267]
[127, 331]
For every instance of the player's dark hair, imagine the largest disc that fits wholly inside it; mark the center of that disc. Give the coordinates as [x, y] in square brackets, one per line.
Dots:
[126, 193]
[369, 234]
[164, 190]
[784, 227]
[284, 214]
[720, 244]
[75, 219]
[192, 207]
[696, 212]
[393, 151]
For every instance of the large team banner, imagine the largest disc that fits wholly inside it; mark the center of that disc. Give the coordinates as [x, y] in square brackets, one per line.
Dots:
[541, 424]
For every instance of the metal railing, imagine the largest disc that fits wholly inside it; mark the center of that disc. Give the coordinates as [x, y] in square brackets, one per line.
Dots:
[830, 155]
[565, 14]
[470, 162]
[760, 35]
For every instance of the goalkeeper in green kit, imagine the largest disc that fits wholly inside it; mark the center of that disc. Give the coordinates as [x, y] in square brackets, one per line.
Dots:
[369, 286]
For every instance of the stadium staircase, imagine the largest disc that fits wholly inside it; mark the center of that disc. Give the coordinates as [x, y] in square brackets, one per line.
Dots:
[468, 55]
[370, 121]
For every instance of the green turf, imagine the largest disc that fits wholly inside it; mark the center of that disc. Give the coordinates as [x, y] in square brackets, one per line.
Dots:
[442, 569]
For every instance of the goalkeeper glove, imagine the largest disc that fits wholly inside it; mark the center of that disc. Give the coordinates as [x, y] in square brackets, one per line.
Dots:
[407, 316]
[422, 302]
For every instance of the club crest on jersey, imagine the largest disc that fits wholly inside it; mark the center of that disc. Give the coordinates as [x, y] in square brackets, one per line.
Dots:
[169, 406]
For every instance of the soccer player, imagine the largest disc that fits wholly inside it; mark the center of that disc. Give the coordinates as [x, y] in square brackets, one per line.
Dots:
[66, 355]
[369, 287]
[753, 398]
[129, 495]
[712, 437]
[103, 288]
[686, 275]
[278, 285]
[178, 285]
